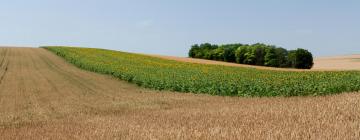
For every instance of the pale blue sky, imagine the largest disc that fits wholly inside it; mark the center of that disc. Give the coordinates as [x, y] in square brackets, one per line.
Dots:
[170, 27]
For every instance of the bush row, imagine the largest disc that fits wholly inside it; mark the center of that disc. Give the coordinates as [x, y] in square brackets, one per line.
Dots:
[255, 54]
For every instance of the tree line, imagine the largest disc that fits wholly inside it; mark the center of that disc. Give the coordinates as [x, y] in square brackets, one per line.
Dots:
[255, 54]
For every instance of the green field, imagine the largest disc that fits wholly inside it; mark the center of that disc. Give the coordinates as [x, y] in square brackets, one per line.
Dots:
[160, 74]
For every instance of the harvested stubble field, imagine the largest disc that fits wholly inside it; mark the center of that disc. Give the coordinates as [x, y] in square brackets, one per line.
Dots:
[44, 97]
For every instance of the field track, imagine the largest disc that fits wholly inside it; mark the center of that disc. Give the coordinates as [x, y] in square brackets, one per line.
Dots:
[43, 97]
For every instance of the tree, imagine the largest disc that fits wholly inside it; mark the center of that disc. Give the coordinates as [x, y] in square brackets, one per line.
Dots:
[259, 53]
[229, 53]
[304, 59]
[218, 54]
[240, 54]
[291, 59]
[300, 58]
[270, 57]
[205, 51]
[281, 56]
[194, 49]
[250, 57]
[256, 54]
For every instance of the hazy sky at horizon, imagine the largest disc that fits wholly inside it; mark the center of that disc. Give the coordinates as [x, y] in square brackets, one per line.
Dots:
[170, 27]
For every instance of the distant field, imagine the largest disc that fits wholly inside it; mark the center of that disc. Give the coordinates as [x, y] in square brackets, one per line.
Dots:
[161, 74]
[350, 62]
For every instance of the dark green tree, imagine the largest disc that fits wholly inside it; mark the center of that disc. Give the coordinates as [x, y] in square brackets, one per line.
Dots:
[271, 59]
[194, 49]
[300, 59]
[291, 59]
[304, 59]
[281, 55]
[260, 50]
[229, 53]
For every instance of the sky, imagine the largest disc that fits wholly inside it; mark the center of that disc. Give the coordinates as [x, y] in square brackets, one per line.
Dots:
[170, 27]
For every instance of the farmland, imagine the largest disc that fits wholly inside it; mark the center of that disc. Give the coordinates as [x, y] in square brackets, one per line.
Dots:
[338, 63]
[44, 97]
[334, 63]
[161, 74]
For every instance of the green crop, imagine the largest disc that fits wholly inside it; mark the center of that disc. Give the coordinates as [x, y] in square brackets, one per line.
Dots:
[161, 74]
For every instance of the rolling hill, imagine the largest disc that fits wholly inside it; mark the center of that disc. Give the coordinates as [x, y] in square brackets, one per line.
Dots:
[44, 97]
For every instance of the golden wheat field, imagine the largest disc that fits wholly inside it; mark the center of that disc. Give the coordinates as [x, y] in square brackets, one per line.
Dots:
[44, 97]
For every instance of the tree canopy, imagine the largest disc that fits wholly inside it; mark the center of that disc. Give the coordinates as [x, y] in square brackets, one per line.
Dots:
[256, 54]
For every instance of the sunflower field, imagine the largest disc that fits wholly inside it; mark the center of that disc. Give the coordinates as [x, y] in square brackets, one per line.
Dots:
[161, 74]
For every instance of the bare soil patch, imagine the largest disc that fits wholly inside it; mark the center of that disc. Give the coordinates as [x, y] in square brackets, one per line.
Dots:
[43, 97]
